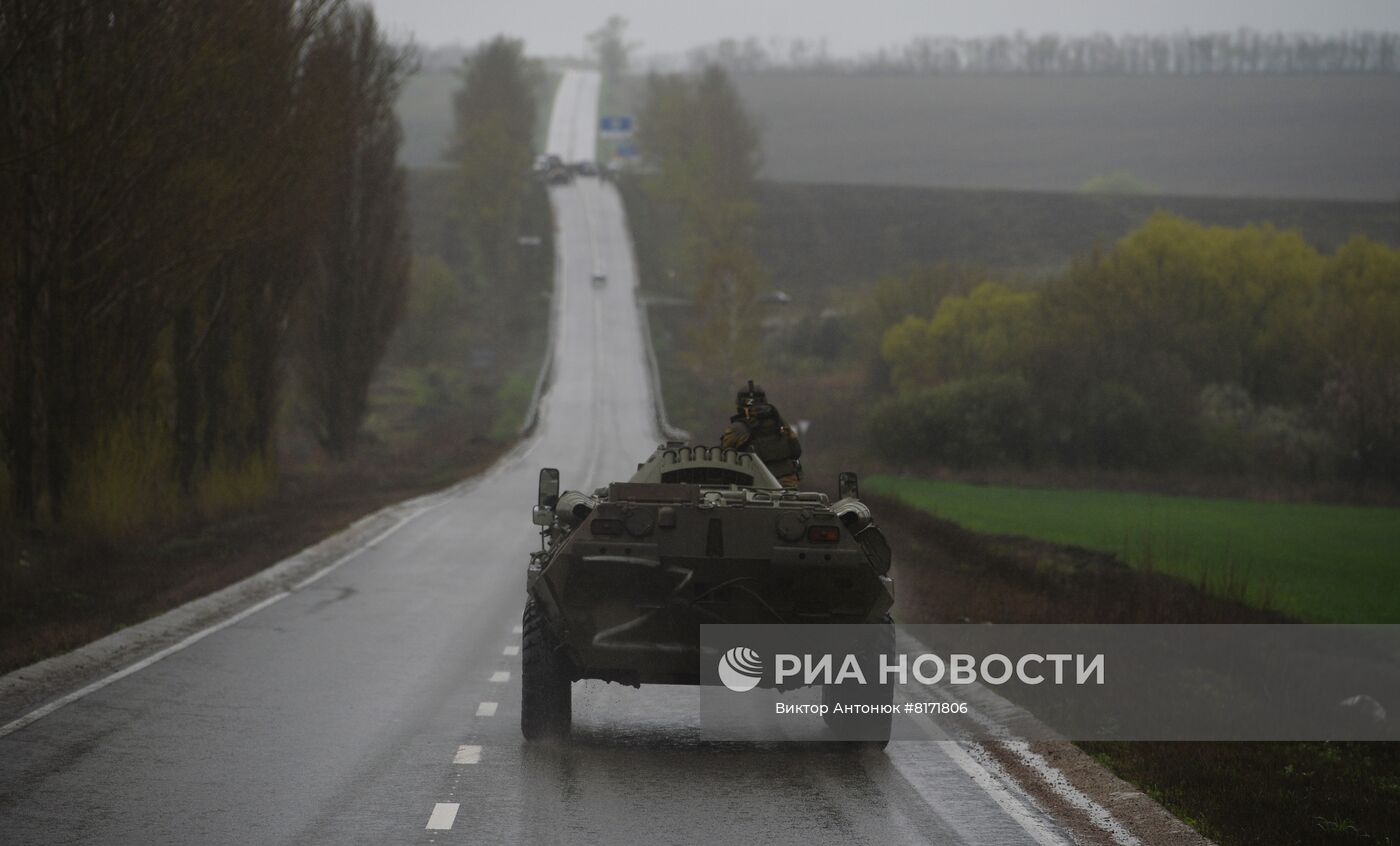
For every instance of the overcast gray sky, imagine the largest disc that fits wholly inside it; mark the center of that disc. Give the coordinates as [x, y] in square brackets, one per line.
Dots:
[556, 27]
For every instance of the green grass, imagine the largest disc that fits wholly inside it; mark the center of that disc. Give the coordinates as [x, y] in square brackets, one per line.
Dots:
[1322, 563]
[512, 401]
[123, 484]
[1264, 794]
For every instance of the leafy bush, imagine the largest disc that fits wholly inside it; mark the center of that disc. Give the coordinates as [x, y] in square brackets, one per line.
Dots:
[1234, 350]
[985, 331]
[979, 421]
[1238, 436]
[1117, 425]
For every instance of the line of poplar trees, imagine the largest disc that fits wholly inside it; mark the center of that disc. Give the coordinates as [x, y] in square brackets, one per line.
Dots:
[199, 201]
[703, 149]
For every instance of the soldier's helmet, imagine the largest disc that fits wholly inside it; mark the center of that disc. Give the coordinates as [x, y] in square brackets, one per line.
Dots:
[751, 396]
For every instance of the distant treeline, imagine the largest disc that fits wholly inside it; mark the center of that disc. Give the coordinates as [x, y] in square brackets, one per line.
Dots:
[1245, 51]
[197, 198]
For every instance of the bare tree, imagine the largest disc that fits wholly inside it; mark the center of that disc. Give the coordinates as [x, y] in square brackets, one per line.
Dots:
[609, 43]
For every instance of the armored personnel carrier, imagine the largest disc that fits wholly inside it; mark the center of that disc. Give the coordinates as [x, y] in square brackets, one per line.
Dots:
[627, 574]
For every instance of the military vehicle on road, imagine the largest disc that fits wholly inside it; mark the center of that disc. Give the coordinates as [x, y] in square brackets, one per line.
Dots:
[627, 574]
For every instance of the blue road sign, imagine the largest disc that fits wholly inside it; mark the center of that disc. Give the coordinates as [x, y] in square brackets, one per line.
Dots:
[626, 150]
[615, 125]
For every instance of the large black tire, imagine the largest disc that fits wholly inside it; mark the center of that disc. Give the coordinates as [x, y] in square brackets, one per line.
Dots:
[546, 691]
[864, 730]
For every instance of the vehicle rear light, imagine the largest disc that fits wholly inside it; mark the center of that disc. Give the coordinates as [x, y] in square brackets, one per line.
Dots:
[824, 534]
[604, 526]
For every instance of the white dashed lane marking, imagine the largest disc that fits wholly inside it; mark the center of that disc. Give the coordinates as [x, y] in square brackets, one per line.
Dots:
[467, 755]
[486, 709]
[511, 650]
[444, 814]
[500, 676]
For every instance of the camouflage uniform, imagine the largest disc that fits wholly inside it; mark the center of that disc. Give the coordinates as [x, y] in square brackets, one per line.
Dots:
[760, 428]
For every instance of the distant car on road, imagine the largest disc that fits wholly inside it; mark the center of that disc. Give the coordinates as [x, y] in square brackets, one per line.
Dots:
[558, 175]
[552, 169]
[586, 168]
[599, 279]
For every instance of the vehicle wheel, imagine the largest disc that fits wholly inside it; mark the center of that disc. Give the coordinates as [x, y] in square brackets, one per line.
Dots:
[546, 692]
[864, 730]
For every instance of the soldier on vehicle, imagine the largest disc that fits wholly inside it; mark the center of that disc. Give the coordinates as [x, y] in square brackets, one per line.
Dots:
[759, 427]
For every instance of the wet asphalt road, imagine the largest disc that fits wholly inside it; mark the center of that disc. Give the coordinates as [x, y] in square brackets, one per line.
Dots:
[384, 698]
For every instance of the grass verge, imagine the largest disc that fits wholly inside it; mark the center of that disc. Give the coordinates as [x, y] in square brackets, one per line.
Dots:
[1269, 794]
[1324, 563]
[60, 592]
[1238, 794]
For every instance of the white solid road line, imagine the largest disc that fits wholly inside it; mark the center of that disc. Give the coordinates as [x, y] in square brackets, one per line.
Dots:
[500, 676]
[44, 711]
[443, 816]
[1057, 782]
[1050, 776]
[510, 651]
[467, 755]
[486, 709]
[910, 763]
[516, 630]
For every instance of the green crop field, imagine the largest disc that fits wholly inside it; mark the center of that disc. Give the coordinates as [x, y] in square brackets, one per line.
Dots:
[1322, 563]
[1330, 136]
